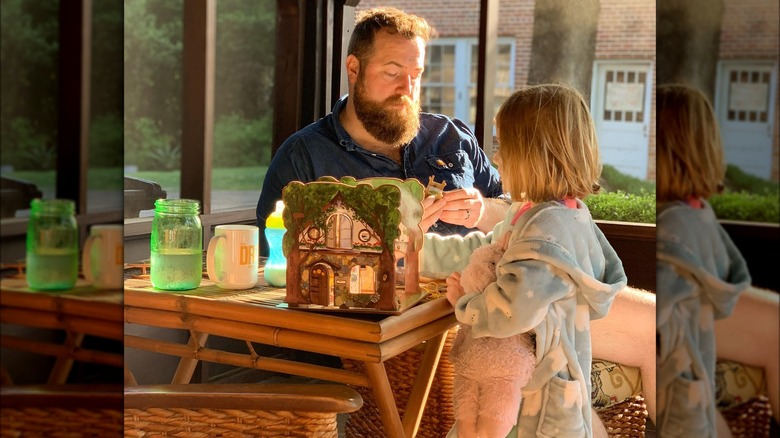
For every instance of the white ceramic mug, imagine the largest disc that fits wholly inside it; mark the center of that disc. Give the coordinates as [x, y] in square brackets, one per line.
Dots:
[232, 256]
[103, 257]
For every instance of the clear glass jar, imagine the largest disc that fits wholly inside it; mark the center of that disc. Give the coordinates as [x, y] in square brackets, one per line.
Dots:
[176, 245]
[52, 245]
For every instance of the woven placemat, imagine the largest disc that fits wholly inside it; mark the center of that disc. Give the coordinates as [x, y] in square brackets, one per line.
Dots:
[228, 423]
[60, 422]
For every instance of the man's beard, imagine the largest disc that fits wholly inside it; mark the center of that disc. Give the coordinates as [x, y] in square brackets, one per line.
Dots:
[387, 125]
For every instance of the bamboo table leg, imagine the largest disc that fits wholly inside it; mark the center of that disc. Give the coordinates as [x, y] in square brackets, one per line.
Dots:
[63, 365]
[187, 365]
[422, 384]
[385, 401]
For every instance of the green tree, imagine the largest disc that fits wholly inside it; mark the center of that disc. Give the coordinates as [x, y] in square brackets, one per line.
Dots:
[28, 85]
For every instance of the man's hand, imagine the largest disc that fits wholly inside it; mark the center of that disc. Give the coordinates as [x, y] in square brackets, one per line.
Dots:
[463, 207]
[432, 209]
[454, 289]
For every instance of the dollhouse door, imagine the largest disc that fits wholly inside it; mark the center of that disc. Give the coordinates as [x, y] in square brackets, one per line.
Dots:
[319, 286]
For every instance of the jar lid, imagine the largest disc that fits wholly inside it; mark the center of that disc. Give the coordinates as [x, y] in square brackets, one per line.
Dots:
[188, 206]
[52, 206]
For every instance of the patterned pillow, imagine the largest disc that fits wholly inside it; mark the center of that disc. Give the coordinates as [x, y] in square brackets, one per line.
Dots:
[613, 383]
[736, 383]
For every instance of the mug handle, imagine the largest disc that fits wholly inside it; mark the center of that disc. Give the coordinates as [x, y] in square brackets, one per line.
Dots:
[86, 257]
[210, 268]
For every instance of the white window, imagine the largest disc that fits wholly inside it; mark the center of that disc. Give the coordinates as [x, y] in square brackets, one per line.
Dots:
[450, 79]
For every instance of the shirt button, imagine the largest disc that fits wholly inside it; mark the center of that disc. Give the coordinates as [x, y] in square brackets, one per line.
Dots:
[449, 165]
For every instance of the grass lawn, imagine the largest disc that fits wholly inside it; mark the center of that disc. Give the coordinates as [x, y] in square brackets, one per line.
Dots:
[105, 178]
[236, 178]
[233, 178]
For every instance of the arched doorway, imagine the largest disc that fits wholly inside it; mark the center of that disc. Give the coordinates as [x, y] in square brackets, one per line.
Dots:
[320, 285]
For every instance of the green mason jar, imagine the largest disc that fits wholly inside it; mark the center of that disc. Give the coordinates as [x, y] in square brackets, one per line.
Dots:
[52, 245]
[176, 245]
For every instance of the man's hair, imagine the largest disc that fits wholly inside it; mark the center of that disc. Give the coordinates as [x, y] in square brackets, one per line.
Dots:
[548, 144]
[689, 151]
[391, 20]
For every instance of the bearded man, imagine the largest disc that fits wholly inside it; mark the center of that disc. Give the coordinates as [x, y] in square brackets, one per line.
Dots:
[378, 130]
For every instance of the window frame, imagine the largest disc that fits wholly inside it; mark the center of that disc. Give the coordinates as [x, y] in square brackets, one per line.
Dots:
[462, 80]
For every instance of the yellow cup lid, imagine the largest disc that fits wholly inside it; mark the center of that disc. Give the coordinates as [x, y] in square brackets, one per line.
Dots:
[275, 220]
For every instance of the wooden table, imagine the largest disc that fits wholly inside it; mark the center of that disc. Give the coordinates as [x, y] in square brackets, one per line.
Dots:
[253, 316]
[79, 312]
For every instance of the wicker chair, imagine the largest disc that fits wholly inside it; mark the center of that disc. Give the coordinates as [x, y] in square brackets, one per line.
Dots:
[626, 418]
[237, 410]
[61, 411]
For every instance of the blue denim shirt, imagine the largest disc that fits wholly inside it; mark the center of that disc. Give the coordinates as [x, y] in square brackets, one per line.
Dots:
[444, 148]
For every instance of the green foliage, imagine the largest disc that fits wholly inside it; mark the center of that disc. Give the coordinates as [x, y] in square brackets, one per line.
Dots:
[613, 180]
[28, 53]
[623, 207]
[26, 147]
[747, 198]
[148, 147]
[106, 141]
[739, 181]
[244, 82]
[241, 142]
[755, 207]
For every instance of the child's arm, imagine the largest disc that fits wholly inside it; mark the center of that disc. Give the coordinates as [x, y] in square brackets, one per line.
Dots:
[443, 255]
[516, 303]
[454, 289]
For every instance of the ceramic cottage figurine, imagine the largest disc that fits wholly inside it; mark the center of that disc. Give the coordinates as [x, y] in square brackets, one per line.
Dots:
[344, 237]
[489, 372]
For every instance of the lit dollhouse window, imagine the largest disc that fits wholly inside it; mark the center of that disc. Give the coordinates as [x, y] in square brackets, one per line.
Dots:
[362, 280]
[339, 232]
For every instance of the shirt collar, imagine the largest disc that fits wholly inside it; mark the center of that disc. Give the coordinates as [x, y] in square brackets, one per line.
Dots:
[341, 133]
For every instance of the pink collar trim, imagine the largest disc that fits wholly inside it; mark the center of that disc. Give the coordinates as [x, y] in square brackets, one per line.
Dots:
[695, 202]
[568, 202]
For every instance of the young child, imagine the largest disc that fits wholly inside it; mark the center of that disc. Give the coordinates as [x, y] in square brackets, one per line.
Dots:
[558, 272]
[699, 272]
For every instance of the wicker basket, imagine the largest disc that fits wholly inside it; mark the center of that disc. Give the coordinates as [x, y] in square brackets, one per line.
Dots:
[60, 422]
[237, 410]
[228, 423]
[751, 419]
[61, 411]
[439, 414]
[625, 419]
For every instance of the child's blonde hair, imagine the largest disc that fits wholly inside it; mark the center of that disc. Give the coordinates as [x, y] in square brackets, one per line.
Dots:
[689, 152]
[548, 144]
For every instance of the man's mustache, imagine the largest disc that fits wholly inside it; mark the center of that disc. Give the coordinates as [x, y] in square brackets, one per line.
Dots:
[394, 100]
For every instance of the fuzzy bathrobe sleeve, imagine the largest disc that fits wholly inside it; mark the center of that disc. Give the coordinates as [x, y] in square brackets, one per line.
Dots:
[700, 275]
